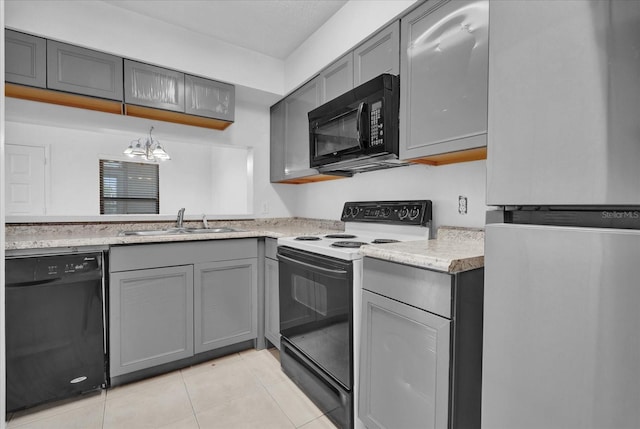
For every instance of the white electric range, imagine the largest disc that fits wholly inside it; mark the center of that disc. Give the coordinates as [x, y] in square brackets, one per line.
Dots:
[321, 296]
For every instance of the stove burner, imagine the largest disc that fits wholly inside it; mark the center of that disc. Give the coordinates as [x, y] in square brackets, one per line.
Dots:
[308, 238]
[384, 241]
[348, 244]
[340, 236]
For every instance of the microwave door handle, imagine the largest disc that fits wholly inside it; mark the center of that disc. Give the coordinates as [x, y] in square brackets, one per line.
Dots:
[358, 122]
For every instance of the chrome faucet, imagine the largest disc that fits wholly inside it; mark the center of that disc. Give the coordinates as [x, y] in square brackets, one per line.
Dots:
[205, 224]
[180, 218]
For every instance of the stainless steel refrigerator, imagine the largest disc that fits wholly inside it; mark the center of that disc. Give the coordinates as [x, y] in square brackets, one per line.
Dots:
[561, 342]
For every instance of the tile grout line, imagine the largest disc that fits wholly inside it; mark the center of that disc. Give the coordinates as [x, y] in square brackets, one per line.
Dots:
[195, 415]
[104, 408]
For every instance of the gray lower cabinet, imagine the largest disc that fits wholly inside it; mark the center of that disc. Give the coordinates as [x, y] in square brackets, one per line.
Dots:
[403, 346]
[337, 78]
[151, 317]
[271, 294]
[151, 86]
[169, 301]
[226, 302]
[420, 347]
[377, 55]
[25, 59]
[83, 71]
[444, 74]
[208, 98]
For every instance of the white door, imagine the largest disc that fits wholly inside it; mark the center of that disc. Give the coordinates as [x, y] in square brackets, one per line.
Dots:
[24, 180]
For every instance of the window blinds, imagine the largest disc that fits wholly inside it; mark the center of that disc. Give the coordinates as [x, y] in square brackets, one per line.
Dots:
[129, 188]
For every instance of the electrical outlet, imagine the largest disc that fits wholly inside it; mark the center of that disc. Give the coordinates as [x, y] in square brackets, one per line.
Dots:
[265, 207]
[462, 204]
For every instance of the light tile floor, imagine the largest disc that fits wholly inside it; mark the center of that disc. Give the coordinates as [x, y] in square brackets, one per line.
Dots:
[242, 390]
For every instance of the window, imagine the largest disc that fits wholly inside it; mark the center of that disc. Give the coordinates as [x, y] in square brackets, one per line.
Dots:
[129, 188]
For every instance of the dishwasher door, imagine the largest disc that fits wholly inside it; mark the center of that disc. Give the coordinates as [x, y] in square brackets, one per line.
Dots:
[54, 328]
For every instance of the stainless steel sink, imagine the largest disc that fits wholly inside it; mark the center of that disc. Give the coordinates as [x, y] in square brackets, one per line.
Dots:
[175, 231]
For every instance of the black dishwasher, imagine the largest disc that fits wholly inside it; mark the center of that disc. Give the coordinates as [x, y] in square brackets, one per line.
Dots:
[54, 328]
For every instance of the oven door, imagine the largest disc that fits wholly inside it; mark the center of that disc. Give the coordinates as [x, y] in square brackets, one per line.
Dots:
[316, 295]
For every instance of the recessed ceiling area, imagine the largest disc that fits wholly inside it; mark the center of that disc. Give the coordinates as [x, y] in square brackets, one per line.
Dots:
[272, 27]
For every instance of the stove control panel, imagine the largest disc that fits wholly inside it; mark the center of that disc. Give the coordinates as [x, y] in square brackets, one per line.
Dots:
[416, 212]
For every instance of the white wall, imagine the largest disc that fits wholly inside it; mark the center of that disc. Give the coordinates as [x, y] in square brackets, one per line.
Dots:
[100, 26]
[185, 181]
[352, 24]
[442, 185]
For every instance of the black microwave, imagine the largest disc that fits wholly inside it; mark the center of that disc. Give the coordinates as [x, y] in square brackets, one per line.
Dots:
[357, 131]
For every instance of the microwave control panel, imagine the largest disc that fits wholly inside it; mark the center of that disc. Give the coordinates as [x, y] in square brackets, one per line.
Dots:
[377, 124]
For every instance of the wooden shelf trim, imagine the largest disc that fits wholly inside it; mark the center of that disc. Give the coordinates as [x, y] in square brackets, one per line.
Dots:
[109, 106]
[310, 179]
[475, 154]
[62, 98]
[176, 117]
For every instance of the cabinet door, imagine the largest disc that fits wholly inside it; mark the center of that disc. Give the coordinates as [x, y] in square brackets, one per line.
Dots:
[404, 366]
[151, 317]
[444, 72]
[296, 129]
[226, 297]
[83, 71]
[25, 59]
[151, 86]
[271, 302]
[379, 54]
[336, 79]
[209, 98]
[276, 141]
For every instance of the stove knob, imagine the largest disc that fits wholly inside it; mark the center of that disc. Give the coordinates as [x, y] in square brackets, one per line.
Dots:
[413, 214]
[386, 211]
[404, 212]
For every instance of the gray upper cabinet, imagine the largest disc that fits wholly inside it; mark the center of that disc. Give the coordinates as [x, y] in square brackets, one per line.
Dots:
[290, 133]
[151, 86]
[336, 79]
[379, 54]
[83, 71]
[25, 59]
[276, 140]
[209, 98]
[444, 75]
[296, 141]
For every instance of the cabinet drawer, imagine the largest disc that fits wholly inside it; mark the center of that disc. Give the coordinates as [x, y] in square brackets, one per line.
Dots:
[135, 257]
[424, 289]
[83, 71]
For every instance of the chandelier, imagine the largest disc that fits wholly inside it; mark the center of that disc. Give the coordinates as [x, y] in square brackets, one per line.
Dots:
[146, 148]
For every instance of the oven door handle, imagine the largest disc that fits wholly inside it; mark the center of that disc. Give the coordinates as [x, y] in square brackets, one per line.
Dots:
[311, 266]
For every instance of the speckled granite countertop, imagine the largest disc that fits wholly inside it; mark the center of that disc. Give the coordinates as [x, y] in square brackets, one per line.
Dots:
[43, 236]
[454, 250]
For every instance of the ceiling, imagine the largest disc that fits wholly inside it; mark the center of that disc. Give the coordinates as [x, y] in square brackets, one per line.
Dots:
[272, 27]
